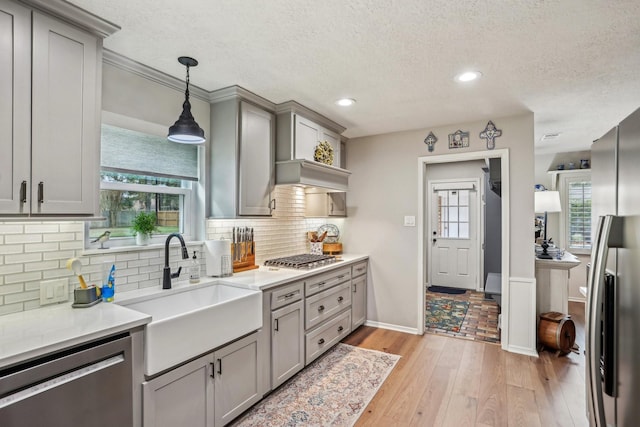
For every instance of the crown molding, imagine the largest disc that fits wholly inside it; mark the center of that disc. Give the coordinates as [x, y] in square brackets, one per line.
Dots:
[236, 92]
[75, 15]
[122, 62]
[292, 107]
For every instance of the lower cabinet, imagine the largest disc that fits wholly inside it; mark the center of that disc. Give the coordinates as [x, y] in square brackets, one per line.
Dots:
[287, 342]
[358, 301]
[237, 378]
[209, 391]
[181, 397]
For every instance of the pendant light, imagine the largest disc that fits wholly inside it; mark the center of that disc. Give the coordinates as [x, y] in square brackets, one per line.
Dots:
[185, 130]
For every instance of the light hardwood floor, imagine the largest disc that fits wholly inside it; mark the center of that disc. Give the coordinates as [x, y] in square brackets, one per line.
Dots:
[444, 381]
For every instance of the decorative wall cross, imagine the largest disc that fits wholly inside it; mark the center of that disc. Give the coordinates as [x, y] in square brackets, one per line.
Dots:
[430, 140]
[490, 133]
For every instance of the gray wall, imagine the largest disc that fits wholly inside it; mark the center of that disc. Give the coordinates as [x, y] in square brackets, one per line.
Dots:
[383, 188]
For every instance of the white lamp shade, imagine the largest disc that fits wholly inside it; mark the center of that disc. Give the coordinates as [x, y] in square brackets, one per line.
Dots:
[547, 201]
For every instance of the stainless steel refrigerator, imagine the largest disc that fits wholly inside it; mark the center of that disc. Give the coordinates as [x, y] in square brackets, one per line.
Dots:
[613, 300]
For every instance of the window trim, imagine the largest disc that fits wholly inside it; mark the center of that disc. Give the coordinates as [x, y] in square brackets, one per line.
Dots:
[187, 216]
[564, 179]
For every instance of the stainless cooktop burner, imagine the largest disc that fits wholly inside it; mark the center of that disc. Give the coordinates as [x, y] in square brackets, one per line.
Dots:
[302, 261]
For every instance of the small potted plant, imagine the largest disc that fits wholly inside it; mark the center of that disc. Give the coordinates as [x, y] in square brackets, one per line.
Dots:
[143, 225]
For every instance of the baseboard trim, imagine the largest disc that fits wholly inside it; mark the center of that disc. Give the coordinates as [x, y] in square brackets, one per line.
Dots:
[576, 299]
[522, 350]
[391, 327]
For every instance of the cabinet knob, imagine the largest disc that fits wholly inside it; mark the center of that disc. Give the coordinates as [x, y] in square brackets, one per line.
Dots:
[321, 308]
[340, 299]
[340, 328]
[321, 341]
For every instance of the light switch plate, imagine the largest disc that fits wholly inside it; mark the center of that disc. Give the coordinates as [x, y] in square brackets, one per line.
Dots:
[409, 221]
[52, 291]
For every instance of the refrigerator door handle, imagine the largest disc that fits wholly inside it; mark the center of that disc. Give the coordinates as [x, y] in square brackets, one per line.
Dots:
[598, 265]
[607, 235]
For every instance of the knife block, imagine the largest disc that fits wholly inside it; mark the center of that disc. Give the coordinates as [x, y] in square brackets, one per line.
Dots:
[246, 260]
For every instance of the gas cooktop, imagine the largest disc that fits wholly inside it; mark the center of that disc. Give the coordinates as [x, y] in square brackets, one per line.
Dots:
[302, 261]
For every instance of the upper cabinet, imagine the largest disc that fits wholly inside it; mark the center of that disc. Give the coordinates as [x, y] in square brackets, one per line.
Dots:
[242, 152]
[50, 85]
[300, 131]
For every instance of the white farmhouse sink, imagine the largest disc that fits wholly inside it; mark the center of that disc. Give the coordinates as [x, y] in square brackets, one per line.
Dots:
[191, 322]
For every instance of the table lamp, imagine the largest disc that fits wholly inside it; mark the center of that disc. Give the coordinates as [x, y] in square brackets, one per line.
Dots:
[546, 201]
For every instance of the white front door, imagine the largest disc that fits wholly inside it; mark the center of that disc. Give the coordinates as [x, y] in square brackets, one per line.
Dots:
[453, 234]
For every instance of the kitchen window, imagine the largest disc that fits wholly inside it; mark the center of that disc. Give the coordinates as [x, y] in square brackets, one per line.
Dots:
[576, 211]
[144, 172]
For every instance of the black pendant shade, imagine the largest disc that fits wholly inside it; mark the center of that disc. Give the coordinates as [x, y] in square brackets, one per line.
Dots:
[185, 130]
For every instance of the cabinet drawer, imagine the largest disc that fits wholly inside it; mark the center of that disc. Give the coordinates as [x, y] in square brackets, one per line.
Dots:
[286, 295]
[324, 281]
[323, 338]
[359, 269]
[323, 305]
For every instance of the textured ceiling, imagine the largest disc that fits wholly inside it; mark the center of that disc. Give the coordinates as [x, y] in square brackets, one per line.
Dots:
[574, 63]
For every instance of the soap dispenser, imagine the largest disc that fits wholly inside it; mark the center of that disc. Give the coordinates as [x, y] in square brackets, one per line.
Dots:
[194, 269]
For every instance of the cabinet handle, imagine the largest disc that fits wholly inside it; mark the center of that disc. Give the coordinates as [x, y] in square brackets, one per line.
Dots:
[41, 192]
[272, 205]
[355, 289]
[23, 192]
[341, 276]
[331, 207]
[276, 325]
[321, 284]
[213, 370]
[340, 328]
[220, 366]
[291, 295]
[360, 269]
[321, 341]
[321, 308]
[340, 299]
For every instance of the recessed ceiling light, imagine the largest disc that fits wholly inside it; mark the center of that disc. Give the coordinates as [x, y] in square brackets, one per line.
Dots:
[345, 102]
[468, 76]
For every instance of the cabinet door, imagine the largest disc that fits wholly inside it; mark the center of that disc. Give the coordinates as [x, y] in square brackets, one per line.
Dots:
[15, 107]
[287, 342]
[337, 203]
[65, 140]
[358, 301]
[307, 134]
[237, 378]
[181, 397]
[256, 160]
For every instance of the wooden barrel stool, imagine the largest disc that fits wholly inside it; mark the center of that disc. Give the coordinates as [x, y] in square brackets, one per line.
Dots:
[557, 331]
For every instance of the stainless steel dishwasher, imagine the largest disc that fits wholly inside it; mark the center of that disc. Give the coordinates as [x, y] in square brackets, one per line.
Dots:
[88, 385]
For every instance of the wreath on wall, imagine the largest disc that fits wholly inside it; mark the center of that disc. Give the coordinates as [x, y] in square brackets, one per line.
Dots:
[324, 153]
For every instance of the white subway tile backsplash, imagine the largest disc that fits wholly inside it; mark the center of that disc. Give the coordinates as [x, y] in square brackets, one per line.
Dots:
[23, 238]
[11, 228]
[22, 258]
[41, 228]
[28, 251]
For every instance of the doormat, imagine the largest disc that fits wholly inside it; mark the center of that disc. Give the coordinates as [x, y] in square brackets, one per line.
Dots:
[445, 314]
[446, 290]
[481, 321]
[332, 391]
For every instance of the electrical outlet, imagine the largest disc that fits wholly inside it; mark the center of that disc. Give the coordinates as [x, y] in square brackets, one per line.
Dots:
[52, 291]
[409, 221]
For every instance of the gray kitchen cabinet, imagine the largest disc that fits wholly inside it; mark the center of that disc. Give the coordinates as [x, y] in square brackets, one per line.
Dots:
[287, 342]
[359, 296]
[300, 130]
[321, 203]
[51, 114]
[181, 397]
[237, 378]
[242, 154]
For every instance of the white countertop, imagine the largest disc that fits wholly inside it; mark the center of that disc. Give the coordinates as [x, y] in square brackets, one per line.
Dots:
[34, 333]
[567, 262]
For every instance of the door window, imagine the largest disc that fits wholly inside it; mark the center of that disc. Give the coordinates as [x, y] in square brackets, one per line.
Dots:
[453, 214]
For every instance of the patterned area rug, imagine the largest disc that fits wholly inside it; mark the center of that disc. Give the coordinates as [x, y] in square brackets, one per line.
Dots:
[445, 314]
[480, 322]
[332, 391]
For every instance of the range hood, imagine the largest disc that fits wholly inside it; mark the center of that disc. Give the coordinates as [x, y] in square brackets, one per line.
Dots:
[311, 174]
